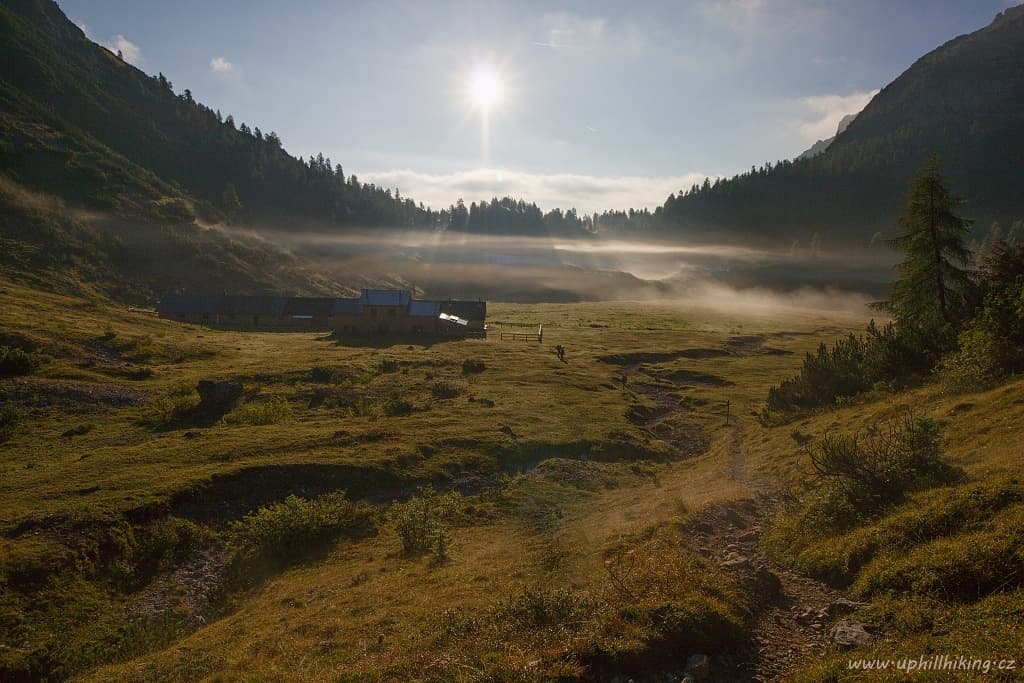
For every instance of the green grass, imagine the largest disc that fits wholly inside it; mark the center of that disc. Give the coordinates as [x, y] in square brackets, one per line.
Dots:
[560, 469]
[942, 570]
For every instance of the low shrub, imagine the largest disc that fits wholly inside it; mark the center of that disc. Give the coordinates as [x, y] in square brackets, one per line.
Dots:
[324, 374]
[180, 402]
[539, 607]
[977, 364]
[849, 367]
[442, 390]
[294, 527]
[472, 366]
[859, 475]
[269, 412]
[396, 406]
[359, 407]
[9, 418]
[167, 542]
[15, 361]
[420, 521]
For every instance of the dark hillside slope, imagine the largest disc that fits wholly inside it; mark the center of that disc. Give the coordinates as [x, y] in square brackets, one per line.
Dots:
[48, 245]
[49, 65]
[962, 101]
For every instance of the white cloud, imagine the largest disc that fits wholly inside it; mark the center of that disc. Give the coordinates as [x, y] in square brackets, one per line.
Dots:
[821, 113]
[129, 50]
[221, 65]
[548, 190]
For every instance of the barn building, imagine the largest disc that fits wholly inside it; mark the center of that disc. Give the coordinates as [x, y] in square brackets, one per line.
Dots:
[380, 311]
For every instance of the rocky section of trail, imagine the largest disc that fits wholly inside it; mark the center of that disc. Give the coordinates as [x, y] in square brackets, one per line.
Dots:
[799, 616]
[186, 592]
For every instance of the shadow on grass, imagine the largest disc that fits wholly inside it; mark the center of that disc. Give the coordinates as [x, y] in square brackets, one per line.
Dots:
[383, 340]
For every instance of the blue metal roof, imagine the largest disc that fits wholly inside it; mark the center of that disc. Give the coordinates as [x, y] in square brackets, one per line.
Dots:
[347, 307]
[385, 297]
[189, 303]
[424, 309]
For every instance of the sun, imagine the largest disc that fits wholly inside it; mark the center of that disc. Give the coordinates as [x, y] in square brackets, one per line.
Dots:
[484, 87]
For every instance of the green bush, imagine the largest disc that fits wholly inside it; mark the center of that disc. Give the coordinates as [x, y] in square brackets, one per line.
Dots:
[272, 411]
[15, 361]
[9, 418]
[420, 521]
[856, 476]
[291, 529]
[176, 405]
[359, 407]
[324, 374]
[442, 390]
[538, 607]
[849, 367]
[396, 406]
[167, 542]
[472, 366]
[977, 364]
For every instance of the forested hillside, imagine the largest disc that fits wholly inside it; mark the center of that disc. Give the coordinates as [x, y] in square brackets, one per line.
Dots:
[54, 73]
[78, 121]
[961, 101]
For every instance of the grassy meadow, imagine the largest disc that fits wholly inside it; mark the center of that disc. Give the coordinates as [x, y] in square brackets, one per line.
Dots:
[143, 541]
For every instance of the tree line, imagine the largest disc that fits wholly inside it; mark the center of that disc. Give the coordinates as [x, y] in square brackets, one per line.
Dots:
[956, 316]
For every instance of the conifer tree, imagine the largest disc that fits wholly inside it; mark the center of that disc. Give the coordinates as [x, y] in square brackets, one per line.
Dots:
[931, 293]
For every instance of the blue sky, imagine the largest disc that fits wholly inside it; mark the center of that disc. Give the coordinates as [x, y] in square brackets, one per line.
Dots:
[604, 105]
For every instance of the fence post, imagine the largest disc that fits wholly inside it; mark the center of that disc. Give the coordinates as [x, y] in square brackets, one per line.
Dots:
[727, 405]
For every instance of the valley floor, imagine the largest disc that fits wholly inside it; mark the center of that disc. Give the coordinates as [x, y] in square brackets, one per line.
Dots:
[616, 510]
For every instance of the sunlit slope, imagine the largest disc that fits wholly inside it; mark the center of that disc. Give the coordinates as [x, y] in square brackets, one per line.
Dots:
[555, 462]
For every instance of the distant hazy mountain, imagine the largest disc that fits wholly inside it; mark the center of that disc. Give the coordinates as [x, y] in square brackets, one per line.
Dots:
[962, 101]
[821, 145]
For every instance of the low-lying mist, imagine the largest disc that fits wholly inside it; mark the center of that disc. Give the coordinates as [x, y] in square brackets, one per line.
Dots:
[557, 269]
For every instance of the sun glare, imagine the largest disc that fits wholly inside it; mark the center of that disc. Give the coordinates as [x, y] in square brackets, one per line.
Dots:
[484, 87]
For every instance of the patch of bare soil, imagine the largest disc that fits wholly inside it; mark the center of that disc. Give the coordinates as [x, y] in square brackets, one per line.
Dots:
[753, 345]
[667, 420]
[628, 359]
[692, 377]
[187, 592]
[81, 397]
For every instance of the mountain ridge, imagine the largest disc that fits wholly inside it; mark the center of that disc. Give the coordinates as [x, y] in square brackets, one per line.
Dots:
[960, 101]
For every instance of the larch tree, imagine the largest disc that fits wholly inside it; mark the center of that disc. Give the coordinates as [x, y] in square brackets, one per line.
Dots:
[931, 293]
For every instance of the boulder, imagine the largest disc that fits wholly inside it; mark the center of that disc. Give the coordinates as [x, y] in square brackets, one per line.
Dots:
[850, 634]
[750, 537]
[736, 562]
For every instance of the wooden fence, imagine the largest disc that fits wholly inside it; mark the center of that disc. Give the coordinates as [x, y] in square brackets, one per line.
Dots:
[537, 336]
